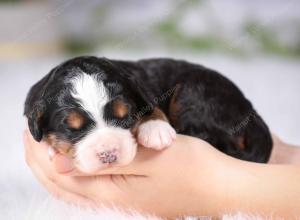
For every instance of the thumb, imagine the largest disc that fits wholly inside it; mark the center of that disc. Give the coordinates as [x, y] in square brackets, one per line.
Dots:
[63, 164]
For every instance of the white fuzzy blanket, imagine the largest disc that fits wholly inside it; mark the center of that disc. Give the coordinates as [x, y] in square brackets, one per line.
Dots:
[23, 203]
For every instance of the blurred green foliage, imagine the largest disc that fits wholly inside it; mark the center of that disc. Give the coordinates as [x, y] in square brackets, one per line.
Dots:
[264, 36]
[10, 1]
[269, 41]
[168, 33]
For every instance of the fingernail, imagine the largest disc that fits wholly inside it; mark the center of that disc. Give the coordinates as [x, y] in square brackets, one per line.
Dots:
[51, 152]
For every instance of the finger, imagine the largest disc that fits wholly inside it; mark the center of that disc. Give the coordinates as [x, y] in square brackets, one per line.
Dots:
[31, 145]
[36, 155]
[36, 158]
[50, 185]
[63, 164]
[97, 193]
[58, 192]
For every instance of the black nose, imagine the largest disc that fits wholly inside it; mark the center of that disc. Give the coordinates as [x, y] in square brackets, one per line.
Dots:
[108, 157]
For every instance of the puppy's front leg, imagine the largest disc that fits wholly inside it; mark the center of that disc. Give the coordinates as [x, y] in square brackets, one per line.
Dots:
[155, 132]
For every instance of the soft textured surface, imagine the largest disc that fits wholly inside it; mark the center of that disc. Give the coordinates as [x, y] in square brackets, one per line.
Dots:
[273, 85]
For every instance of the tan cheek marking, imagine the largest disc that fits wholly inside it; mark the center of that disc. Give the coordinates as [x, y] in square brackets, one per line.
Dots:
[120, 109]
[75, 120]
[61, 146]
[39, 115]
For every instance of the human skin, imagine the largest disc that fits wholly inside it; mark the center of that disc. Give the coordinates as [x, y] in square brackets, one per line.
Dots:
[189, 178]
[284, 153]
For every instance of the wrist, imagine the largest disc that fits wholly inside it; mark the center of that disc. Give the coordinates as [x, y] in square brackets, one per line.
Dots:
[284, 153]
[212, 187]
[266, 190]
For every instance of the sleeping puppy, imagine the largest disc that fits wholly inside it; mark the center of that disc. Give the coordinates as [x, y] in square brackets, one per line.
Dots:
[96, 110]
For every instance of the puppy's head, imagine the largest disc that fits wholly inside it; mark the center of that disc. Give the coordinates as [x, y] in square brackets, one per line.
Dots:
[87, 108]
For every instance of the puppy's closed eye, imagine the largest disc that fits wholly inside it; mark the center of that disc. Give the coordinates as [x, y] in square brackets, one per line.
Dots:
[75, 120]
[120, 108]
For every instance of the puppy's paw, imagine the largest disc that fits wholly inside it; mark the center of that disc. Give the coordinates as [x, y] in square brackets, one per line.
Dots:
[156, 134]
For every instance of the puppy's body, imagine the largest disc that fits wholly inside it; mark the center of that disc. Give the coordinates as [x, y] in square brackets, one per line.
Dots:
[206, 105]
[87, 100]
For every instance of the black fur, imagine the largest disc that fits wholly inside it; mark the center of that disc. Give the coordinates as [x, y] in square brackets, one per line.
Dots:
[209, 106]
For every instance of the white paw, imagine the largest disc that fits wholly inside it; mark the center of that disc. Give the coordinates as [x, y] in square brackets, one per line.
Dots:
[156, 134]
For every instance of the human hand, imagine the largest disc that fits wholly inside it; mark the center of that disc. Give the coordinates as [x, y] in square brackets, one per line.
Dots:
[181, 180]
[284, 153]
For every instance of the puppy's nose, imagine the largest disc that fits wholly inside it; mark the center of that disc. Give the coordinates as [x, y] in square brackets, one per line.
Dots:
[108, 157]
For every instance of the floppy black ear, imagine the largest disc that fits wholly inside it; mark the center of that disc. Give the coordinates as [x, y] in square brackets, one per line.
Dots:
[141, 91]
[35, 107]
[35, 120]
[134, 77]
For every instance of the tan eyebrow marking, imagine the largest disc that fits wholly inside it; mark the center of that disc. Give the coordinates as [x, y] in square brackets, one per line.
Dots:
[75, 120]
[120, 109]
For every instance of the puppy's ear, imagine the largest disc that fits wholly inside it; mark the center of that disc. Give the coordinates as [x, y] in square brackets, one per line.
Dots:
[35, 120]
[35, 107]
[138, 87]
[141, 91]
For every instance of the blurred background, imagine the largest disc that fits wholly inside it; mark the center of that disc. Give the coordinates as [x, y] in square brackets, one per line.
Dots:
[255, 43]
[239, 28]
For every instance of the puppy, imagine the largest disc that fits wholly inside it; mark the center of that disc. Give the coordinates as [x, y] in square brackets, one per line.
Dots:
[96, 110]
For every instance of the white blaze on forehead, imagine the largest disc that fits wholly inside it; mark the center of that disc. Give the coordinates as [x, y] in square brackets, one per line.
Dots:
[92, 95]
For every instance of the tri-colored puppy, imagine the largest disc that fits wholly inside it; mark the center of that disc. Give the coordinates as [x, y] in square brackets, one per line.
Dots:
[96, 110]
